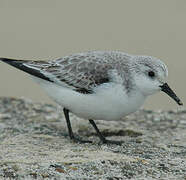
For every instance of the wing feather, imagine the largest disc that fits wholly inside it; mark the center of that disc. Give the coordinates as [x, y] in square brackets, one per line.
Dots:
[78, 72]
[81, 72]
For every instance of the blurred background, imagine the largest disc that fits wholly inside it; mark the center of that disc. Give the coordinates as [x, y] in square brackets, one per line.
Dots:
[49, 29]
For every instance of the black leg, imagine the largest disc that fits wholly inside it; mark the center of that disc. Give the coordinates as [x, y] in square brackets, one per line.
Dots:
[71, 134]
[101, 137]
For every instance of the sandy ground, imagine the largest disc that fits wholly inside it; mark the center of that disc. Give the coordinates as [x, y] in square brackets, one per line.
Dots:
[35, 145]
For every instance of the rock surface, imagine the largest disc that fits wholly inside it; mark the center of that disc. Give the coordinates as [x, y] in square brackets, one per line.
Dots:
[35, 145]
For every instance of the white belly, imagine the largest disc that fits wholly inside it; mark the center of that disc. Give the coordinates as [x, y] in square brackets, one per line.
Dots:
[108, 103]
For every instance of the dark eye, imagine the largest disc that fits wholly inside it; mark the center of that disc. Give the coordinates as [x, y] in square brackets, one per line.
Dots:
[151, 74]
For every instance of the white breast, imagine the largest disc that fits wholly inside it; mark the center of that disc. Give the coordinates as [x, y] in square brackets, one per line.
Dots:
[110, 102]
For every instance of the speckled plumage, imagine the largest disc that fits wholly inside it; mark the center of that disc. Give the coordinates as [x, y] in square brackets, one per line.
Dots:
[84, 71]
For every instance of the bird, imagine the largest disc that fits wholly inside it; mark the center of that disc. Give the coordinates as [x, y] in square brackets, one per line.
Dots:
[98, 85]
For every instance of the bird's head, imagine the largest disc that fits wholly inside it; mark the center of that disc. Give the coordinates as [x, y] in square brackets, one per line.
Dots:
[150, 76]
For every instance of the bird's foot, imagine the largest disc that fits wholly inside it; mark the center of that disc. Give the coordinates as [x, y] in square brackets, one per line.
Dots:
[79, 140]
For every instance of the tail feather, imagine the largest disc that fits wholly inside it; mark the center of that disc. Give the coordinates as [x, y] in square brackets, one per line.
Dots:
[21, 64]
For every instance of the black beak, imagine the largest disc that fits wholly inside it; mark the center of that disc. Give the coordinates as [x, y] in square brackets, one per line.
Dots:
[165, 88]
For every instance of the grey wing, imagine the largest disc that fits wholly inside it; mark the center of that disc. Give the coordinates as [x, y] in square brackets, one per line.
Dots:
[78, 73]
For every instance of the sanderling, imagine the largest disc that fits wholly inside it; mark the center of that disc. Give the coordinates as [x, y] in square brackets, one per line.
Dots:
[98, 85]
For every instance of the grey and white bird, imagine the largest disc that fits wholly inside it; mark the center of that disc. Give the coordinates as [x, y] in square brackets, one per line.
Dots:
[98, 85]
